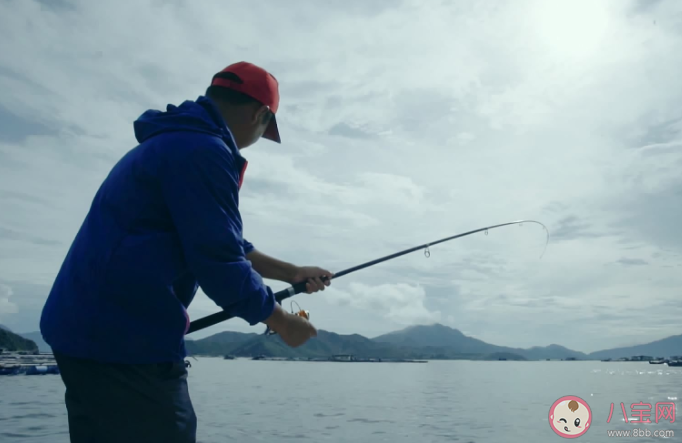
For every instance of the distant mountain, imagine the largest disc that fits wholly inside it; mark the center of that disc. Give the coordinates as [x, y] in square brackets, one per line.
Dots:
[554, 352]
[324, 345]
[37, 337]
[435, 335]
[665, 348]
[10, 341]
[415, 342]
[327, 344]
[5, 328]
[453, 340]
[217, 344]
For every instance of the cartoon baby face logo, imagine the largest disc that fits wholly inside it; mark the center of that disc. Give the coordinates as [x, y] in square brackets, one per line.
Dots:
[570, 417]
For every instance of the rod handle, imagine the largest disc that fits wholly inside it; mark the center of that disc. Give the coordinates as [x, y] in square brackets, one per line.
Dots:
[221, 316]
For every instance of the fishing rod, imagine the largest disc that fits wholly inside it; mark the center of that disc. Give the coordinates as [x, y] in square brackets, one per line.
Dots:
[299, 287]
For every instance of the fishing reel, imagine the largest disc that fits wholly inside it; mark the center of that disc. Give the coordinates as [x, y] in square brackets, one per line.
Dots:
[301, 313]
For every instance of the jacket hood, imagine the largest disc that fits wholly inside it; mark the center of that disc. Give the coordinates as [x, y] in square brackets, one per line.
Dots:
[196, 116]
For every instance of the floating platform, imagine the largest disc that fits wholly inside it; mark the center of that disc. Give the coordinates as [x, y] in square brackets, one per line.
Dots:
[339, 359]
[29, 369]
[371, 361]
[27, 364]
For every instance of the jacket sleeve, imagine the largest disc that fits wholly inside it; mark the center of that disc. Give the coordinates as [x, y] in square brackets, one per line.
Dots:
[248, 246]
[200, 187]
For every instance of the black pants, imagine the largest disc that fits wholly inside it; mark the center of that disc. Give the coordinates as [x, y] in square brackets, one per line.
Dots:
[116, 403]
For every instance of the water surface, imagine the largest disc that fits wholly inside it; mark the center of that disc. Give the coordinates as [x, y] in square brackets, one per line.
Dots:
[440, 401]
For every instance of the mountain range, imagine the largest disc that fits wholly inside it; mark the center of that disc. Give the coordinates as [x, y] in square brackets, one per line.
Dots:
[37, 338]
[431, 342]
[666, 347]
[415, 342]
[10, 341]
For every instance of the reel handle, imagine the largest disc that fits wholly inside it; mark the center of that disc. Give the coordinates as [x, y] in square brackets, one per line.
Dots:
[301, 313]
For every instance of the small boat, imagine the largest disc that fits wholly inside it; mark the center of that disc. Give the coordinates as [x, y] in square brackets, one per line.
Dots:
[10, 370]
[42, 369]
[229, 357]
[657, 361]
[675, 363]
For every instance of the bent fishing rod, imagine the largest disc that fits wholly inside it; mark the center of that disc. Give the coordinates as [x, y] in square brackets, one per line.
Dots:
[299, 287]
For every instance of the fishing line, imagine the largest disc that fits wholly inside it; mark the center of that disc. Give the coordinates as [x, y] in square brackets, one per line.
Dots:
[297, 288]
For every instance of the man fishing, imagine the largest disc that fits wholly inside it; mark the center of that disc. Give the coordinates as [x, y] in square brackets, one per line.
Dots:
[165, 221]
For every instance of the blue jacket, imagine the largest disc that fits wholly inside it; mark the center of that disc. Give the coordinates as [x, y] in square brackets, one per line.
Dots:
[164, 222]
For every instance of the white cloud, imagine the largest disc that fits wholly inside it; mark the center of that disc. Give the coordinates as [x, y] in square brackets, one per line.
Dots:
[6, 306]
[401, 303]
[425, 121]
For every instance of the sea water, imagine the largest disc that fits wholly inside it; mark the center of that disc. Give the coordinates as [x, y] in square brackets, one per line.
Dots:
[439, 401]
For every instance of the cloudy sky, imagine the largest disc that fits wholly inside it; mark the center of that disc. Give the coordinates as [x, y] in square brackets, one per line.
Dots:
[402, 122]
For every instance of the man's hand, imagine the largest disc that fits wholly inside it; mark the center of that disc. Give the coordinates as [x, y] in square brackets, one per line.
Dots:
[269, 267]
[317, 278]
[293, 329]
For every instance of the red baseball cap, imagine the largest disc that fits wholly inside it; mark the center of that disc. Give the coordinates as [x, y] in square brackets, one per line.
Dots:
[257, 83]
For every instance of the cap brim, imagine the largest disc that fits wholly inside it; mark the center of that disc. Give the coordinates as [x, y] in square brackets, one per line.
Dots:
[272, 132]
